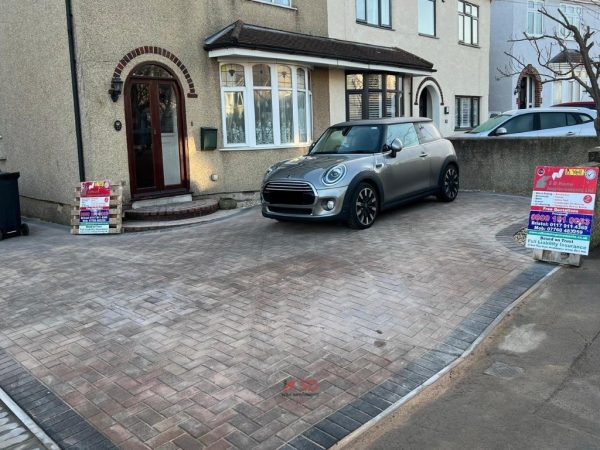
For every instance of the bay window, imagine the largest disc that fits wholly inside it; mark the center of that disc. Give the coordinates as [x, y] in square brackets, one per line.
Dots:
[265, 105]
[373, 95]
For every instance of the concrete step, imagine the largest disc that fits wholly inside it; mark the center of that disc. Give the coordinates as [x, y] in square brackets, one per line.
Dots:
[172, 211]
[162, 201]
[149, 225]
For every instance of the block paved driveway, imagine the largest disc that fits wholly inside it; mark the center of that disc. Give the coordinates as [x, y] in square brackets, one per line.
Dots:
[186, 338]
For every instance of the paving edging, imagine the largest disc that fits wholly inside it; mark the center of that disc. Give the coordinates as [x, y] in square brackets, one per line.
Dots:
[394, 407]
[27, 421]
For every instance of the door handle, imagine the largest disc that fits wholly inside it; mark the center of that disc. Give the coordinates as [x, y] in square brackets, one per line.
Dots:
[570, 133]
[423, 155]
[378, 165]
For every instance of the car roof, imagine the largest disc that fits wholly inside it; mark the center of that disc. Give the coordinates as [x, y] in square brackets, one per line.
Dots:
[386, 121]
[515, 112]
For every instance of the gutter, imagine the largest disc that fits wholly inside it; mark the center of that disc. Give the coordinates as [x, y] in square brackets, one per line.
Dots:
[75, 89]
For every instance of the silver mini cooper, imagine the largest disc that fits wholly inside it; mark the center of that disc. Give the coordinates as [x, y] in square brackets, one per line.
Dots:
[357, 169]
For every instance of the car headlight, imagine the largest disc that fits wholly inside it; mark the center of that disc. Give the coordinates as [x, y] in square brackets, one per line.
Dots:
[333, 175]
[270, 170]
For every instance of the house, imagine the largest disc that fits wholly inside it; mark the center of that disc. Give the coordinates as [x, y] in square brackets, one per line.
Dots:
[530, 87]
[197, 98]
[452, 34]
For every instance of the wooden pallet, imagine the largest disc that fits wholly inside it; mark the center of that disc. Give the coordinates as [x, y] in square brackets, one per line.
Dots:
[115, 214]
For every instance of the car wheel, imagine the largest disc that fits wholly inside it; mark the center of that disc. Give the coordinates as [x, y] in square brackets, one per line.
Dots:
[449, 184]
[364, 206]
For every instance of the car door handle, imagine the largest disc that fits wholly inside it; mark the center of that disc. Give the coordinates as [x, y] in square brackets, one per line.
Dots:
[423, 155]
[378, 165]
[570, 133]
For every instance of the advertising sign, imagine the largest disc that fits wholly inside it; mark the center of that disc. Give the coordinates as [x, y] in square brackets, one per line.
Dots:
[94, 207]
[562, 209]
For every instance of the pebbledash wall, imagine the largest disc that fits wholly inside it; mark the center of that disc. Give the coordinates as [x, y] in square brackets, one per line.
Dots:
[37, 121]
[507, 165]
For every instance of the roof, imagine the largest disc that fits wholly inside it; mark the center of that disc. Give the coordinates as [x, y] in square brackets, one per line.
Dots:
[567, 56]
[386, 121]
[514, 112]
[242, 35]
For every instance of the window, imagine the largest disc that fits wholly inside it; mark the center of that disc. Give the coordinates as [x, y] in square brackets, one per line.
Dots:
[427, 132]
[467, 112]
[372, 95]
[277, 2]
[468, 23]
[520, 124]
[374, 12]
[427, 17]
[574, 17]
[405, 132]
[265, 104]
[535, 18]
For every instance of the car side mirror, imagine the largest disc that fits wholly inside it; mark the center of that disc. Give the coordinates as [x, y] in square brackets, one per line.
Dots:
[396, 147]
[501, 131]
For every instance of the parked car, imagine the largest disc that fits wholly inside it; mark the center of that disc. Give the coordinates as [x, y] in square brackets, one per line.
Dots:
[357, 169]
[538, 122]
[586, 104]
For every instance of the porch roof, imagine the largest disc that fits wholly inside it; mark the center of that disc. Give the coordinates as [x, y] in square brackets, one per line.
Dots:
[244, 40]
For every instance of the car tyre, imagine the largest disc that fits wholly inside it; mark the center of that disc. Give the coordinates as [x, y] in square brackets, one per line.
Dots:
[449, 184]
[363, 207]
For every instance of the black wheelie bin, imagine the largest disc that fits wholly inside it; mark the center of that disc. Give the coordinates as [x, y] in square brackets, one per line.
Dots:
[10, 208]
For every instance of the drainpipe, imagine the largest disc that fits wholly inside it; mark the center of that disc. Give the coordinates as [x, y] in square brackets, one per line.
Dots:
[75, 88]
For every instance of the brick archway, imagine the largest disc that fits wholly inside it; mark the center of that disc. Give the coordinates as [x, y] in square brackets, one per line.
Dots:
[531, 71]
[151, 50]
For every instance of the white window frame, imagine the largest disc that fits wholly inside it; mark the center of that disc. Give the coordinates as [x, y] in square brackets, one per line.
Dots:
[249, 119]
[577, 17]
[472, 18]
[538, 18]
[274, 3]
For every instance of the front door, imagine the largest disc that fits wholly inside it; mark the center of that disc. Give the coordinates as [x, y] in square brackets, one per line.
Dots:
[157, 162]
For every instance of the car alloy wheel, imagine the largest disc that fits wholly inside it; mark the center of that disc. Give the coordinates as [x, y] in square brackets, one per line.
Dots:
[366, 206]
[451, 183]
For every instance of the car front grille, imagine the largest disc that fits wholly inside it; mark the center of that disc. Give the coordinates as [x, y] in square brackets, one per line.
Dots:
[297, 211]
[289, 193]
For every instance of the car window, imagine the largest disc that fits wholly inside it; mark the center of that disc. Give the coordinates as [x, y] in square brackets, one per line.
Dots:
[571, 120]
[584, 118]
[519, 124]
[405, 131]
[427, 132]
[552, 120]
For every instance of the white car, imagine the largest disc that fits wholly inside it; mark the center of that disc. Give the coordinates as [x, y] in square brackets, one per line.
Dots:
[538, 122]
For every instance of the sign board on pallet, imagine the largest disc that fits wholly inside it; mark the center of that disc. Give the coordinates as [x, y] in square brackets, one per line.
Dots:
[94, 206]
[91, 214]
[562, 209]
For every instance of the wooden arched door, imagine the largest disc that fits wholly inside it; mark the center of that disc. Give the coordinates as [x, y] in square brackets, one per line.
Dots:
[155, 132]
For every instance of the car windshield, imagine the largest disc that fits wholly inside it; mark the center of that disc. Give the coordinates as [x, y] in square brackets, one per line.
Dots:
[491, 123]
[350, 139]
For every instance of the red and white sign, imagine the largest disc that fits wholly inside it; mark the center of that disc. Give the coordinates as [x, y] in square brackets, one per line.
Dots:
[562, 209]
[94, 207]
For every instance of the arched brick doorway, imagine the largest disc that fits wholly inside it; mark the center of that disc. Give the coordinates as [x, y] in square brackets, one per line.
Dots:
[529, 88]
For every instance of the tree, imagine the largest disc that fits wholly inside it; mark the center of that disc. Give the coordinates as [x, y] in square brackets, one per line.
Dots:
[576, 64]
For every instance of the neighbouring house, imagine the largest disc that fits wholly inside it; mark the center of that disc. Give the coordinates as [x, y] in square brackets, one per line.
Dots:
[200, 97]
[519, 18]
[452, 34]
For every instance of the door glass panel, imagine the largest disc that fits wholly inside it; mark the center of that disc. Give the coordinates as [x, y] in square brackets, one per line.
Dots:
[169, 134]
[519, 124]
[142, 135]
